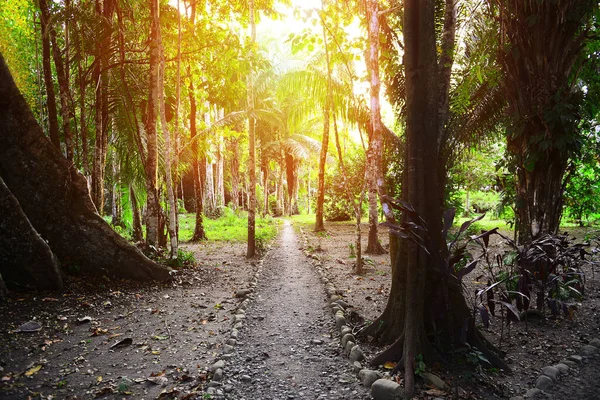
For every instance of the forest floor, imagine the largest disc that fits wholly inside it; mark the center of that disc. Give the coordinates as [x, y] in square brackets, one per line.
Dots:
[117, 339]
[529, 346]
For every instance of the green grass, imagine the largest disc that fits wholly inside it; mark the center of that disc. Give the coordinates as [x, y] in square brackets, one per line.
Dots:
[229, 227]
[303, 219]
[485, 224]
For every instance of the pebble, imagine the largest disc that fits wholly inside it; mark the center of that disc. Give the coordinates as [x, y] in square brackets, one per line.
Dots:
[368, 377]
[434, 380]
[543, 382]
[588, 350]
[356, 354]
[531, 393]
[385, 389]
[551, 372]
[217, 365]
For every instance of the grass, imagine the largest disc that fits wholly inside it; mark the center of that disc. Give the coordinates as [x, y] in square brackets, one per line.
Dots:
[229, 227]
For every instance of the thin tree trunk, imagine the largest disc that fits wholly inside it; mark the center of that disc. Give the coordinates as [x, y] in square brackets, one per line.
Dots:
[138, 235]
[219, 175]
[82, 111]
[152, 202]
[172, 214]
[235, 173]
[374, 175]
[319, 224]
[64, 92]
[50, 96]
[251, 251]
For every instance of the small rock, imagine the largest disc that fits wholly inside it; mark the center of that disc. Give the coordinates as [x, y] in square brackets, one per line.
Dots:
[551, 372]
[348, 347]
[562, 368]
[228, 388]
[316, 341]
[595, 342]
[543, 382]
[435, 381]
[218, 375]
[333, 298]
[368, 377]
[211, 391]
[340, 320]
[531, 393]
[242, 293]
[345, 329]
[576, 358]
[227, 349]
[569, 363]
[234, 334]
[356, 354]
[231, 342]
[588, 350]
[342, 304]
[347, 337]
[245, 378]
[385, 389]
[357, 366]
[217, 365]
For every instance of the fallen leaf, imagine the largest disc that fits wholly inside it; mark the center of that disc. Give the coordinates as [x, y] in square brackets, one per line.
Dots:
[114, 335]
[160, 337]
[122, 343]
[98, 332]
[49, 299]
[84, 320]
[436, 392]
[98, 380]
[155, 352]
[33, 370]
[389, 365]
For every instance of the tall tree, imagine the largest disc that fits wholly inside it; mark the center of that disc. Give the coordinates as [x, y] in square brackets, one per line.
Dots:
[251, 251]
[152, 202]
[541, 44]
[374, 175]
[48, 81]
[426, 311]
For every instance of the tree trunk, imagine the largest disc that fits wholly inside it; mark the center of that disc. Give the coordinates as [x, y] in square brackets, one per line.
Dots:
[319, 224]
[64, 94]
[25, 258]
[172, 205]
[82, 111]
[235, 173]
[251, 250]
[50, 96]
[374, 175]
[55, 198]
[138, 235]
[426, 304]
[199, 233]
[152, 202]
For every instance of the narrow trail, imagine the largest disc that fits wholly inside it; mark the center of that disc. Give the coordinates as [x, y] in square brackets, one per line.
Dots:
[289, 348]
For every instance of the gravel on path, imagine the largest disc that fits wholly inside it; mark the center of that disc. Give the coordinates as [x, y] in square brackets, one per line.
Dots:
[289, 347]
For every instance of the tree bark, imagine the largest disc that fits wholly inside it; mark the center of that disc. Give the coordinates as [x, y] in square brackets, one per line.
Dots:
[375, 151]
[319, 223]
[251, 250]
[152, 202]
[55, 197]
[50, 96]
[25, 259]
[138, 235]
[172, 205]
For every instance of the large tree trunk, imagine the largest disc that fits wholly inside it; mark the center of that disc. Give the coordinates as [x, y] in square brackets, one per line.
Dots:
[374, 174]
[25, 258]
[55, 197]
[50, 96]
[426, 303]
[540, 69]
[82, 111]
[152, 202]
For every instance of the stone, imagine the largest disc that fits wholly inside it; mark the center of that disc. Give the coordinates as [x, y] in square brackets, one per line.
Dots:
[231, 342]
[348, 347]
[347, 337]
[543, 382]
[340, 320]
[531, 393]
[569, 363]
[227, 349]
[551, 372]
[368, 377]
[333, 298]
[217, 365]
[228, 388]
[342, 304]
[385, 389]
[242, 293]
[595, 342]
[356, 354]
[345, 329]
[317, 341]
[576, 358]
[245, 378]
[435, 381]
[588, 350]
[234, 333]
[562, 368]
[211, 390]
[218, 375]
[357, 366]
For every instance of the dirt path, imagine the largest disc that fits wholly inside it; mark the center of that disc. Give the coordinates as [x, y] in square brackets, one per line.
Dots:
[289, 348]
